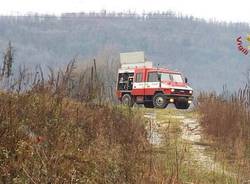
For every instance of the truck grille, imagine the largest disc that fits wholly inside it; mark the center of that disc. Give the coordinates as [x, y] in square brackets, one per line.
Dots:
[181, 91]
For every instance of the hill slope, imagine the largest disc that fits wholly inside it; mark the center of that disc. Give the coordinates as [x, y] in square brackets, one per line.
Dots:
[205, 52]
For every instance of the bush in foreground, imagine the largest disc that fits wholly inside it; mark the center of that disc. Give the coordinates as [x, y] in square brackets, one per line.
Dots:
[45, 139]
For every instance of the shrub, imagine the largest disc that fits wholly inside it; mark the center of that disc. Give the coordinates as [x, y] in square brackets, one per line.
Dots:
[225, 119]
[46, 140]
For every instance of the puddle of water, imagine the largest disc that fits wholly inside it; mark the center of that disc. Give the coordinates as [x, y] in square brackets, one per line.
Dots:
[153, 136]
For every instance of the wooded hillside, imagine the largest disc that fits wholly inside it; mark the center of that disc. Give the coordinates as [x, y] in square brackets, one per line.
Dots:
[205, 51]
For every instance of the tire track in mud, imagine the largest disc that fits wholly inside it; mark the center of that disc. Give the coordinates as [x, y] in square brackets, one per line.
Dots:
[191, 134]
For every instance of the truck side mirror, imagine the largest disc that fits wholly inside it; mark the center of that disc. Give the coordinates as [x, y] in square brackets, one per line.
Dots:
[159, 77]
[186, 80]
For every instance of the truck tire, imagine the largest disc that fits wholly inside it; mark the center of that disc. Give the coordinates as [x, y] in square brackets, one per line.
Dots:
[160, 101]
[182, 105]
[127, 100]
[149, 105]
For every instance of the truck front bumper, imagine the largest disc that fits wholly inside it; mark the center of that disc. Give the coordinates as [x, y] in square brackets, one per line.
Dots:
[179, 98]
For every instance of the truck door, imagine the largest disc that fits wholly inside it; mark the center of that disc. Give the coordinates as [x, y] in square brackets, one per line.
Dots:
[138, 84]
[152, 83]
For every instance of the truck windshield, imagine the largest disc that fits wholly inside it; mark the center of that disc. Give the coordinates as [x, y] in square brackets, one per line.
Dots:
[165, 77]
[176, 78]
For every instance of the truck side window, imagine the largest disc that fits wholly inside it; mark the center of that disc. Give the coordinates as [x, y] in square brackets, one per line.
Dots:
[138, 77]
[152, 77]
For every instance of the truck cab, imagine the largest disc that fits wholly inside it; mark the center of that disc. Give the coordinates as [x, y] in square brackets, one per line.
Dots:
[154, 87]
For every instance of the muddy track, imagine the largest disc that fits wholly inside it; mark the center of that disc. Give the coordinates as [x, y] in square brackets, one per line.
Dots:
[191, 134]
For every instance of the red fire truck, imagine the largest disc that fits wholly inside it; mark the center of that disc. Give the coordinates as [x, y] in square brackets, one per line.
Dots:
[139, 82]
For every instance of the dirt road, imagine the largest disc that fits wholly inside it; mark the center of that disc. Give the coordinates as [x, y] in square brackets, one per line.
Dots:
[190, 135]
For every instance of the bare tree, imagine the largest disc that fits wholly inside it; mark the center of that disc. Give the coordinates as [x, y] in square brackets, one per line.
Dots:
[8, 61]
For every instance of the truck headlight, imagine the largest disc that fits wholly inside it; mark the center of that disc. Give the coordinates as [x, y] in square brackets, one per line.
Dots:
[172, 90]
[190, 92]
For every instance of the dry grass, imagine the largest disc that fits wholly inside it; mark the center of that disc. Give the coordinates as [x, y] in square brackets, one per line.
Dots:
[226, 121]
[44, 140]
[64, 129]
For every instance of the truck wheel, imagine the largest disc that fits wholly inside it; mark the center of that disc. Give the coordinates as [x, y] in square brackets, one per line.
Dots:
[159, 101]
[127, 100]
[182, 105]
[149, 105]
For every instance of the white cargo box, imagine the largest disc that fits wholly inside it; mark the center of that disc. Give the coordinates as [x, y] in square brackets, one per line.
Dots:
[132, 57]
[146, 64]
[134, 60]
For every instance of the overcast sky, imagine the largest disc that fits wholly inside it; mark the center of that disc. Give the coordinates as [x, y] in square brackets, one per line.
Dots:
[226, 10]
